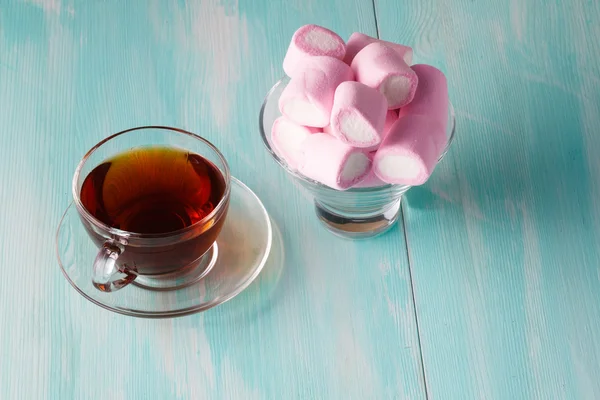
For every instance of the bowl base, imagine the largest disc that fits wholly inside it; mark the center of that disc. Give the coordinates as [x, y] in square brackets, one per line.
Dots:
[358, 226]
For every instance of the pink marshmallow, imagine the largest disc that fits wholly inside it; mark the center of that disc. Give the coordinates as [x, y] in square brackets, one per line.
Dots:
[408, 154]
[309, 41]
[333, 163]
[371, 180]
[359, 41]
[381, 67]
[431, 98]
[308, 97]
[358, 114]
[287, 138]
[390, 118]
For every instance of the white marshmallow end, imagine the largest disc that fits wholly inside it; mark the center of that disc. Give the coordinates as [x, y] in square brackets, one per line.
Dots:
[311, 41]
[400, 166]
[356, 128]
[395, 88]
[321, 40]
[356, 166]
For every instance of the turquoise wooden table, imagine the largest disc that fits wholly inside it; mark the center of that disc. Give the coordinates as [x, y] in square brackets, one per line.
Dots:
[489, 288]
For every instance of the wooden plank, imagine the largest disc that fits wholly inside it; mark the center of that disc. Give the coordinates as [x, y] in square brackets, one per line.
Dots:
[328, 319]
[503, 240]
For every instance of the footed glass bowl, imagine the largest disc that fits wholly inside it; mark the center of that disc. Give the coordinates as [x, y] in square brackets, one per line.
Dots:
[354, 213]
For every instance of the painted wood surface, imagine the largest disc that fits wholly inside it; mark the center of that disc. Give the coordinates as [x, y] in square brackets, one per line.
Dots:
[503, 241]
[328, 319]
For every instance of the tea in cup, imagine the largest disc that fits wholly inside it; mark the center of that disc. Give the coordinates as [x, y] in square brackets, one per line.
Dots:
[153, 200]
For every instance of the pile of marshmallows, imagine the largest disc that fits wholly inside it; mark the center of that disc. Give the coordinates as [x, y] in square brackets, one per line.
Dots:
[356, 114]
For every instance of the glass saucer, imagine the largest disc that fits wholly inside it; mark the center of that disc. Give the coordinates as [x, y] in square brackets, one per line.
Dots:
[243, 248]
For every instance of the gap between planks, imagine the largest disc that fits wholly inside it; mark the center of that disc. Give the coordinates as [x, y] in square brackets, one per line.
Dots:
[410, 274]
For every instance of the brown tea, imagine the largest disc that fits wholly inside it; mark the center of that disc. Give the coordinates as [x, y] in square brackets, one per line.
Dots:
[156, 190]
[153, 190]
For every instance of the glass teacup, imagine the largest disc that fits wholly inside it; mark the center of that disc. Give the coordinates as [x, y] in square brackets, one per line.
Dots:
[152, 257]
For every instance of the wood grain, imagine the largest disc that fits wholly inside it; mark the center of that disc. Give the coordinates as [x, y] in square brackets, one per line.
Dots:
[331, 319]
[503, 240]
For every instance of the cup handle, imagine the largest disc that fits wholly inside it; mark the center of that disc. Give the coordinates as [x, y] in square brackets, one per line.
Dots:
[108, 277]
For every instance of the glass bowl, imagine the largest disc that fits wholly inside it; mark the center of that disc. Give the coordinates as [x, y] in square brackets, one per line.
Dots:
[354, 213]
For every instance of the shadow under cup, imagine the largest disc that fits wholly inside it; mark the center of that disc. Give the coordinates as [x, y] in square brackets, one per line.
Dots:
[156, 261]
